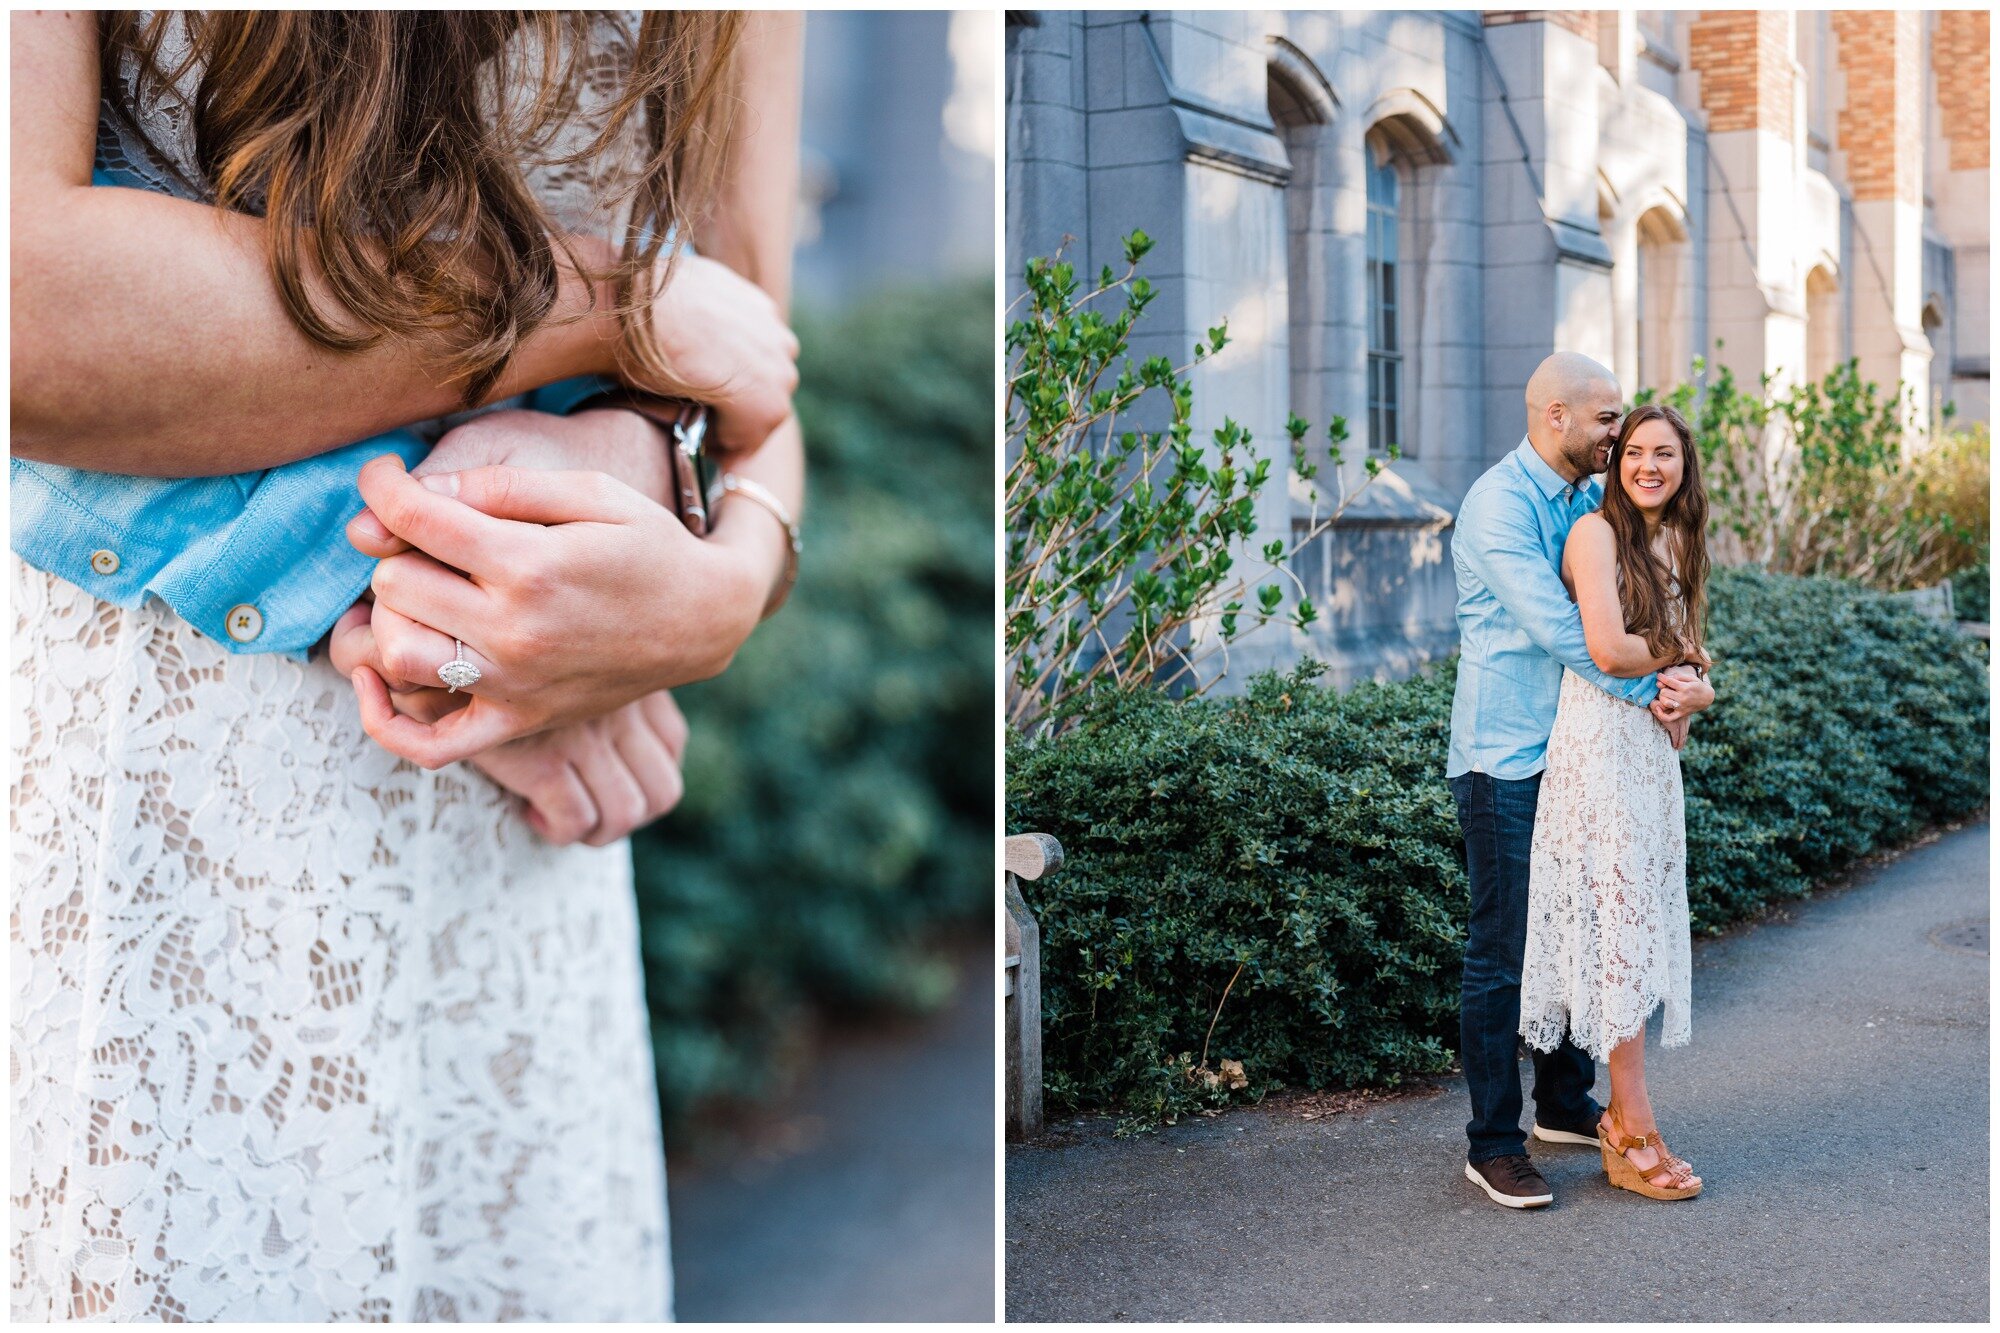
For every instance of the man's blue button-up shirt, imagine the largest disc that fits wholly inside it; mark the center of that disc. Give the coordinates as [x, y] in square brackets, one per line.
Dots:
[1517, 627]
[273, 541]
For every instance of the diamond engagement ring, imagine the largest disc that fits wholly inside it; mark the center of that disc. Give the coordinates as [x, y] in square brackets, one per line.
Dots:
[458, 673]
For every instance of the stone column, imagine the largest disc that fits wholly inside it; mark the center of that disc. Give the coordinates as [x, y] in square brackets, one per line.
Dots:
[1961, 55]
[1045, 138]
[1879, 133]
[1547, 268]
[1756, 288]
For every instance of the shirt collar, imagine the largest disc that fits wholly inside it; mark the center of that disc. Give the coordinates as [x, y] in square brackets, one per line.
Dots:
[1550, 482]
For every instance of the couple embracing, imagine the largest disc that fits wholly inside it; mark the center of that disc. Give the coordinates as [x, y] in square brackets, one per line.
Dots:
[1580, 607]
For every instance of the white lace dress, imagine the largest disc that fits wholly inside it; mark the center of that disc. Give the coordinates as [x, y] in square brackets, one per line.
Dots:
[300, 1031]
[1607, 880]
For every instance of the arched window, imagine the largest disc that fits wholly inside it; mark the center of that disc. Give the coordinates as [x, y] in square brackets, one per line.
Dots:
[1665, 322]
[1822, 323]
[1934, 332]
[1302, 110]
[1404, 162]
[1385, 301]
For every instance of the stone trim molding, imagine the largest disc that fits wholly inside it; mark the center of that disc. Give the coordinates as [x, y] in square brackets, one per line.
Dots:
[1298, 71]
[1413, 127]
[1215, 136]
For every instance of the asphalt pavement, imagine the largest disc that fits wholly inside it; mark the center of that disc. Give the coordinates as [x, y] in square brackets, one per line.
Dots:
[1834, 1100]
[866, 1195]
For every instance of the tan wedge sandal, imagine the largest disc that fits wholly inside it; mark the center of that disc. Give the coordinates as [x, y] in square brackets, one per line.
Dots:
[1620, 1171]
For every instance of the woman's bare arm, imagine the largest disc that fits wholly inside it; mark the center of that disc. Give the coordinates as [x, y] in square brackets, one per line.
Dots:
[148, 335]
[752, 232]
[1591, 559]
[750, 229]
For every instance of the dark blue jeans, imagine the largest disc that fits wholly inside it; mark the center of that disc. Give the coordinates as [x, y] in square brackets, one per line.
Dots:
[1497, 817]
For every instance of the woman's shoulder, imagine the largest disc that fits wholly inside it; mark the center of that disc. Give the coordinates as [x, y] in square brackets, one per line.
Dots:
[1590, 531]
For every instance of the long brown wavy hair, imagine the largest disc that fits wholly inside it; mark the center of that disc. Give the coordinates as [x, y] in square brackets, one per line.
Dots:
[383, 149]
[1642, 577]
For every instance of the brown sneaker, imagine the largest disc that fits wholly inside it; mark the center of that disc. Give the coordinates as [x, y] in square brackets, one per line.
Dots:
[1511, 1182]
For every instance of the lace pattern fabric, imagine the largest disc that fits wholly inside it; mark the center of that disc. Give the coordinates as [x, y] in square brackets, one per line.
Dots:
[301, 1031]
[1608, 938]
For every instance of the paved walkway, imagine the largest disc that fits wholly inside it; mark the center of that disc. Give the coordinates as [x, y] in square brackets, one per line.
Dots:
[868, 1194]
[1834, 1099]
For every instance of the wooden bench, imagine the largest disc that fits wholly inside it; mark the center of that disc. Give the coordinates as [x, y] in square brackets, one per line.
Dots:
[1029, 856]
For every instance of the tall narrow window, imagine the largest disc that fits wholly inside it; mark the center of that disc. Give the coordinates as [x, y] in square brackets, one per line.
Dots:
[1385, 348]
[1822, 323]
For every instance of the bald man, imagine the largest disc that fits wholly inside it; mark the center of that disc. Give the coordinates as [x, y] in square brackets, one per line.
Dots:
[1517, 630]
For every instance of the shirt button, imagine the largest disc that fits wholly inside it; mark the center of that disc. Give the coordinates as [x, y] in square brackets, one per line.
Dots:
[104, 562]
[245, 622]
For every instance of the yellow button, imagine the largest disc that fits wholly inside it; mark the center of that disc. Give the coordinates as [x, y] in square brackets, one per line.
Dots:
[245, 622]
[104, 562]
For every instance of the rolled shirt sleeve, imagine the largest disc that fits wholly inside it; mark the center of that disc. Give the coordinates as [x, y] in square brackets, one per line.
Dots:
[260, 560]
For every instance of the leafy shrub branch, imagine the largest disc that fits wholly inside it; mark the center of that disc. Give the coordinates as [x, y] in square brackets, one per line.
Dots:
[1122, 542]
[1815, 481]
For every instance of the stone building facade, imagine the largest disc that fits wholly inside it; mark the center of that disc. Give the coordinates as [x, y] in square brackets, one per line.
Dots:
[1401, 213]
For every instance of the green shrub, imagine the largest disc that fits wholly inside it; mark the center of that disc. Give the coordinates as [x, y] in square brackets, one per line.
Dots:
[1816, 479]
[1308, 837]
[839, 799]
[1971, 590]
[1954, 473]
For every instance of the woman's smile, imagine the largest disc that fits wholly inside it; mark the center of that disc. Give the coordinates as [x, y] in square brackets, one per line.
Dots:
[1650, 467]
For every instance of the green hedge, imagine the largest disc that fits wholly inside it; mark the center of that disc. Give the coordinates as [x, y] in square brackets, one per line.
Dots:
[1307, 838]
[839, 803]
[1971, 590]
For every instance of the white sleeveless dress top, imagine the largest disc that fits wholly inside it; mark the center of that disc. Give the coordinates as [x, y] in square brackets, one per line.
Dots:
[299, 1030]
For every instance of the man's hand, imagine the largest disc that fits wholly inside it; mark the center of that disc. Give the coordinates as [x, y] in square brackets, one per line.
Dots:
[598, 780]
[1683, 693]
[727, 345]
[622, 443]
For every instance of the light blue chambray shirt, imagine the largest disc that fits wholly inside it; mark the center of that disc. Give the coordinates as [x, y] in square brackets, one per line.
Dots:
[1517, 628]
[259, 561]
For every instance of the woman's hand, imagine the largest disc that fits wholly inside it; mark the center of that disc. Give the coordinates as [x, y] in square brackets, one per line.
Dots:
[593, 781]
[1683, 693]
[578, 595]
[727, 345]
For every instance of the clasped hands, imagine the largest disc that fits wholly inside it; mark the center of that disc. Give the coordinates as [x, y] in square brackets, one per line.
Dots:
[540, 543]
[1684, 691]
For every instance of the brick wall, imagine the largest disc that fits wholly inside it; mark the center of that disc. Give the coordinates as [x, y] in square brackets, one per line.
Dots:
[1961, 53]
[1880, 127]
[1745, 62]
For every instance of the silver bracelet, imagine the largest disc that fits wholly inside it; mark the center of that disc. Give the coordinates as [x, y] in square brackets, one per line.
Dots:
[731, 484]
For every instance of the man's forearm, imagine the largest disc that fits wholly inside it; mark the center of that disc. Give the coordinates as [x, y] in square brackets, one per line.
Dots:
[150, 339]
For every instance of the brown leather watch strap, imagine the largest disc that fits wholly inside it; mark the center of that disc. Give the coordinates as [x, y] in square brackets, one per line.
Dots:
[686, 425]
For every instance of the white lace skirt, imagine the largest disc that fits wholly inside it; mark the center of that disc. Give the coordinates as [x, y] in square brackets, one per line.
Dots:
[1607, 880]
[300, 1031]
